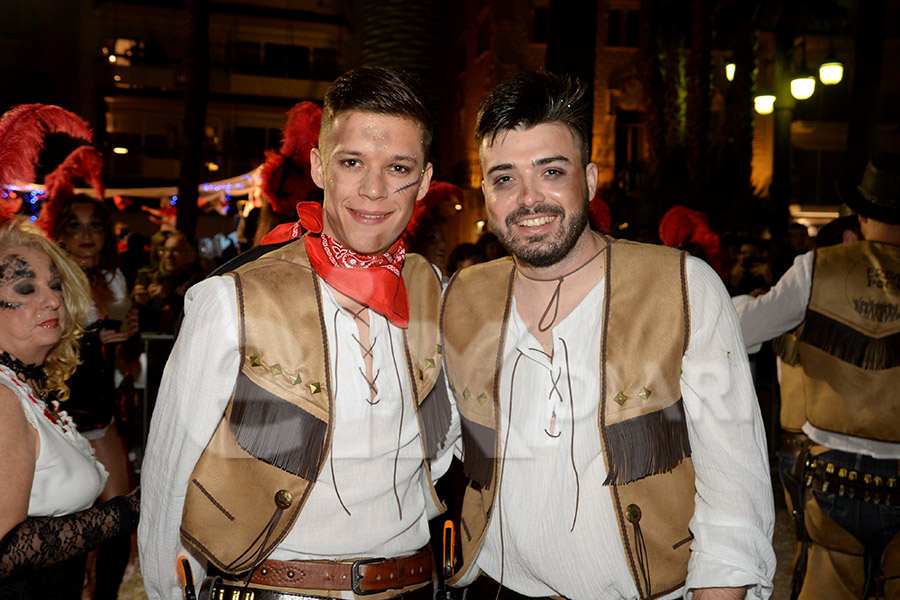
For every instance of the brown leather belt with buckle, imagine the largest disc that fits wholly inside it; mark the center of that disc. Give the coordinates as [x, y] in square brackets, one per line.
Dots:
[366, 576]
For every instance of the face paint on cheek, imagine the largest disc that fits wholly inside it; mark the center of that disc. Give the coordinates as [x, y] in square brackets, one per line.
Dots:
[15, 269]
[408, 185]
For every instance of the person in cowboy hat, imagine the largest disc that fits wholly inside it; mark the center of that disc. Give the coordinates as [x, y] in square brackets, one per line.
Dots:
[846, 301]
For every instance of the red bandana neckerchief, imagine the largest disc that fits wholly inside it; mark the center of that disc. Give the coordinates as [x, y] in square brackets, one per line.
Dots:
[371, 280]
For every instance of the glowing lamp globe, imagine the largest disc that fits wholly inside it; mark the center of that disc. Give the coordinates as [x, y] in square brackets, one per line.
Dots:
[803, 87]
[831, 73]
[764, 104]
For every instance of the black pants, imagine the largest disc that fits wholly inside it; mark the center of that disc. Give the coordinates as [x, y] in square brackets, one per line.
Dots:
[485, 588]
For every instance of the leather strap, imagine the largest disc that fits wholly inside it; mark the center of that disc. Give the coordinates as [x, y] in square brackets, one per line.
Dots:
[366, 576]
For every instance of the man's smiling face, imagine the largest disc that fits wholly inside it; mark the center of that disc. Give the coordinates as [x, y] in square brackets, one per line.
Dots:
[536, 191]
[372, 170]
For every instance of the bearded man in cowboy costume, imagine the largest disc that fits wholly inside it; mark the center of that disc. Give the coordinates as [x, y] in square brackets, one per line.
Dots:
[611, 438]
[846, 301]
[295, 439]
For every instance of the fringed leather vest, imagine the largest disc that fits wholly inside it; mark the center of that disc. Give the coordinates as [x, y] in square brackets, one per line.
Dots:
[850, 343]
[258, 469]
[646, 322]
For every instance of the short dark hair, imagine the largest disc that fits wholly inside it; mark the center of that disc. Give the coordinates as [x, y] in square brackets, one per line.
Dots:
[377, 90]
[535, 98]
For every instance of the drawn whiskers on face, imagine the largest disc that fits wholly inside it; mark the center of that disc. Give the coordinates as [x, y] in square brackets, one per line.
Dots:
[7, 305]
[408, 185]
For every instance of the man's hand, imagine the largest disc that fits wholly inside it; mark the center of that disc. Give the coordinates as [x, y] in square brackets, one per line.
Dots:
[140, 294]
[720, 593]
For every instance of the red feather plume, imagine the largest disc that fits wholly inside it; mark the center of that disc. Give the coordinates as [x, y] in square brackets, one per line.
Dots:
[681, 225]
[22, 132]
[286, 177]
[84, 162]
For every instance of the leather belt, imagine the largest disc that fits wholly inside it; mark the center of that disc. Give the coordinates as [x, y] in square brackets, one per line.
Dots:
[365, 576]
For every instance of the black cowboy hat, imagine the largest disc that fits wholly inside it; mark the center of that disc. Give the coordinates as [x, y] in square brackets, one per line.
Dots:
[878, 194]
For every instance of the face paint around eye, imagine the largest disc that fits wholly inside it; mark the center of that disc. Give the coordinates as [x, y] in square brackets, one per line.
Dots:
[24, 289]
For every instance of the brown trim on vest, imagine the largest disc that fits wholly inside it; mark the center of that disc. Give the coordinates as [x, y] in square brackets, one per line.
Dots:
[242, 334]
[276, 432]
[849, 345]
[685, 304]
[213, 500]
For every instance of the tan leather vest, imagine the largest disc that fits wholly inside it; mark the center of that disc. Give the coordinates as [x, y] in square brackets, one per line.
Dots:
[850, 343]
[266, 454]
[640, 413]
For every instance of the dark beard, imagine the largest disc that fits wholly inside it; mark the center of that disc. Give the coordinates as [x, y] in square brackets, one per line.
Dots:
[551, 248]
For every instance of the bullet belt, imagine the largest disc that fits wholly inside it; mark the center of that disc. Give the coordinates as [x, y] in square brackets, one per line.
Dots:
[228, 591]
[366, 576]
[239, 591]
[831, 478]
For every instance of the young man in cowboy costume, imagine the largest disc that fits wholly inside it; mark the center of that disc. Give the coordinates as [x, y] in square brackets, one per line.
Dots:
[846, 300]
[611, 437]
[294, 441]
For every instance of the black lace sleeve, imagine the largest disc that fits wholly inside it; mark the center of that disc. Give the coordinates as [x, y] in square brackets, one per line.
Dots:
[44, 541]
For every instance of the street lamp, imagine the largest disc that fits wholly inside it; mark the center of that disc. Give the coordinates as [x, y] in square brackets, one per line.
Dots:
[831, 72]
[764, 102]
[730, 68]
[804, 83]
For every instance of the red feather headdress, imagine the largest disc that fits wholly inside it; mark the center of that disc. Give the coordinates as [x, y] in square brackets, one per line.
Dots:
[681, 225]
[83, 162]
[22, 132]
[286, 178]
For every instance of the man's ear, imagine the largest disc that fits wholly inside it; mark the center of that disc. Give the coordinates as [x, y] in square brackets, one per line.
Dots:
[316, 168]
[425, 183]
[592, 174]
